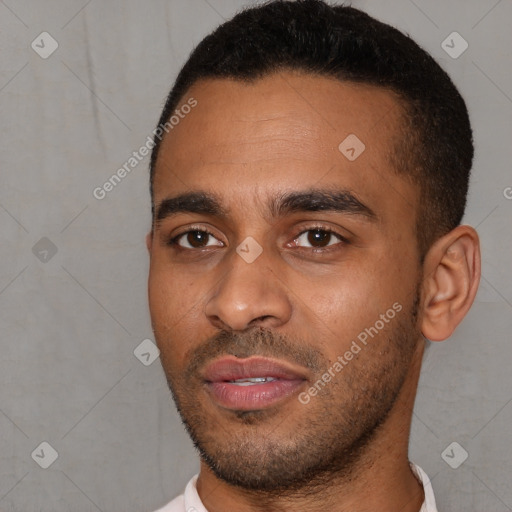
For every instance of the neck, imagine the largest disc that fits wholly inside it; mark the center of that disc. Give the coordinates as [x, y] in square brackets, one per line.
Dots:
[381, 478]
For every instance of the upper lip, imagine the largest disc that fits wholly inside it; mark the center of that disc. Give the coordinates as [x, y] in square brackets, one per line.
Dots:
[233, 368]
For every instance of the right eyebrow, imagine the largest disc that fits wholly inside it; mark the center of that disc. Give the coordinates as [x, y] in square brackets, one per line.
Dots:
[191, 202]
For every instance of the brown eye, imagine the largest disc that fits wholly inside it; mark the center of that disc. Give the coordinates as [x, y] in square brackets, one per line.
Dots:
[196, 239]
[318, 238]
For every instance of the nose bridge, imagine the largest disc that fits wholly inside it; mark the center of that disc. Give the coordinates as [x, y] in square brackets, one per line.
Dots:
[248, 292]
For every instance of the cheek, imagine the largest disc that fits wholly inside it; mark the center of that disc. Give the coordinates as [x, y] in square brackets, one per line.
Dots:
[175, 305]
[342, 308]
[171, 291]
[343, 304]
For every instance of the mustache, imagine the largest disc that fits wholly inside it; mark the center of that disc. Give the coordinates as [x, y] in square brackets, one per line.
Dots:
[256, 342]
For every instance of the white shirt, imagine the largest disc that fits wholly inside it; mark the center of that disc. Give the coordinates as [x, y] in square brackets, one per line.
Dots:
[189, 501]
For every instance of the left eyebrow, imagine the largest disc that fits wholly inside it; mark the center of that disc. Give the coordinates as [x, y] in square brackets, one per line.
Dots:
[316, 200]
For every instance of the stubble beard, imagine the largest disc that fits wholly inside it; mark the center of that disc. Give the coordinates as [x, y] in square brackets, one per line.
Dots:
[335, 429]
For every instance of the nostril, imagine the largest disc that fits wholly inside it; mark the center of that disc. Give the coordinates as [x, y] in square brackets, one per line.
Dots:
[260, 319]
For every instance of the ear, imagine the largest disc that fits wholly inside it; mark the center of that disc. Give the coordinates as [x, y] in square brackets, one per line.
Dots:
[451, 273]
[149, 241]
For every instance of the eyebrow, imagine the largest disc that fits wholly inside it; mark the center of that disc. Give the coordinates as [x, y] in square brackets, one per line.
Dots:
[191, 202]
[310, 200]
[316, 200]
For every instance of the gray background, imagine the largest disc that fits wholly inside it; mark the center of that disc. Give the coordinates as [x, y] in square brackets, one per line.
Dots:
[70, 321]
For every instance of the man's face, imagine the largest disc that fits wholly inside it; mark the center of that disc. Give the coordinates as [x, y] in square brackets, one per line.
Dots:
[338, 258]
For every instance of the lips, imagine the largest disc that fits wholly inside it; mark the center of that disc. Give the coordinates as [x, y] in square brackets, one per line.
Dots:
[251, 384]
[233, 368]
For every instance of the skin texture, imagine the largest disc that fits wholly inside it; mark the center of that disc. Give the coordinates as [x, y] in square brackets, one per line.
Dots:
[302, 301]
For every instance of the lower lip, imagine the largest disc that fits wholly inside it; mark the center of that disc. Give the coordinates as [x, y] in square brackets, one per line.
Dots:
[253, 397]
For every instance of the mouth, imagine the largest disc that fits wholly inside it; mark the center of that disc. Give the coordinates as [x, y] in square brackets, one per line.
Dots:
[251, 384]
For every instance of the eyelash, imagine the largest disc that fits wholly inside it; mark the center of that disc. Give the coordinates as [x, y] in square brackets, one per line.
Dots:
[326, 229]
[173, 242]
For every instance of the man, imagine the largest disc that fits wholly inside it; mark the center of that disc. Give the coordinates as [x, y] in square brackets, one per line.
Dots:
[308, 182]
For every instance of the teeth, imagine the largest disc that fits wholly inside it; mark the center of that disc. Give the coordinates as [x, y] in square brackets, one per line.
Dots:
[251, 381]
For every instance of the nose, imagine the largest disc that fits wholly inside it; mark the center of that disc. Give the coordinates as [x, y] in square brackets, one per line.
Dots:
[248, 295]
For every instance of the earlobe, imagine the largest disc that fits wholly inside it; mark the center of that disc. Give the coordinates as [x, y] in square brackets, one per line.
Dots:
[451, 277]
[149, 241]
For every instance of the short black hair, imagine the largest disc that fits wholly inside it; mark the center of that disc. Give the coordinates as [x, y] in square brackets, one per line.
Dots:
[435, 150]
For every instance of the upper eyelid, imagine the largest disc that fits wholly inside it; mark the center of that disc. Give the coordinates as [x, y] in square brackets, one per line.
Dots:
[175, 238]
[322, 228]
[193, 228]
[341, 238]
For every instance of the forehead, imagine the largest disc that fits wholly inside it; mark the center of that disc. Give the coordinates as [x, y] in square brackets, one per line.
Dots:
[283, 132]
